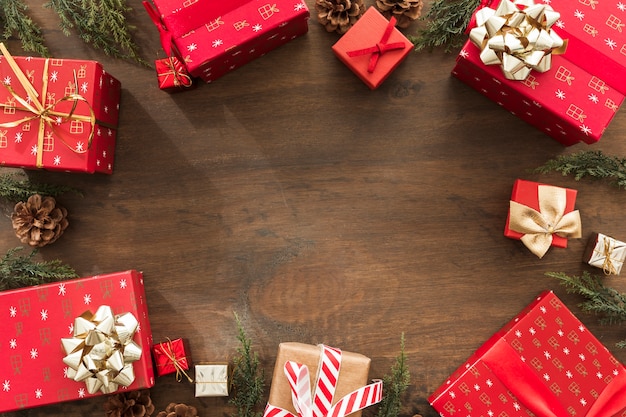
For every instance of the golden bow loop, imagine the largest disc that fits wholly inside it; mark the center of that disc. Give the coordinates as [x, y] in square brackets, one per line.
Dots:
[539, 226]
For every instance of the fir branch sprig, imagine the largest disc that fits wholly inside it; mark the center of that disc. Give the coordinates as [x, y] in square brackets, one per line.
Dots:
[248, 379]
[592, 164]
[446, 23]
[15, 21]
[395, 385]
[22, 271]
[15, 189]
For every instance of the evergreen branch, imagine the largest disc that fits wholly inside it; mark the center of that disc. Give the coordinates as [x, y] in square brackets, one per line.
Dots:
[395, 385]
[446, 25]
[14, 189]
[22, 271]
[592, 164]
[248, 378]
[15, 21]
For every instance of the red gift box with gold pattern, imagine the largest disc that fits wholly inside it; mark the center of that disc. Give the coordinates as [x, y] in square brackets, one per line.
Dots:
[37, 323]
[544, 362]
[58, 114]
[213, 38]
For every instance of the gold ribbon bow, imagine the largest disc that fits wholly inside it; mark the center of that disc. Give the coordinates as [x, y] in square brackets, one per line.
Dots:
[102, 350]
[517, 36]
[168, 351]
[539, 226]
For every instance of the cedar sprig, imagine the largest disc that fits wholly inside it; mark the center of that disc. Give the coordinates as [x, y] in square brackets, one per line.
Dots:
[18, 271]
[15, 21]
[248, 379]
[395, 385]
[15, 189]
[593, 164]
[99, 23]
[446, 23]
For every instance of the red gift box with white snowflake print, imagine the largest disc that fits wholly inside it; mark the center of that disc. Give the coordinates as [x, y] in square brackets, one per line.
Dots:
[213, 38]
[33, 320]
[69, 120]
[544, 362]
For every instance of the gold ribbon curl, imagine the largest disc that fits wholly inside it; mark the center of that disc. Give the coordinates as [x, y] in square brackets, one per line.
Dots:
[539, 226]
[518, 37]
[46, 114]
[174, 361]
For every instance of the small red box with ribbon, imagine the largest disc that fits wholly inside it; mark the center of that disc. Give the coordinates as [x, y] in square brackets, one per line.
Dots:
[74, 339]
[324, 381]
[542, 215]
[213, 38]
[544, 362]
[373, 48]
[172, 357]
[57, 114]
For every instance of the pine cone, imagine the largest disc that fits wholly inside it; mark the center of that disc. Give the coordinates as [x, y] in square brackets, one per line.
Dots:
[339, 15]
[178, 410]
[39, 221]
[405, 11]
[129, 404]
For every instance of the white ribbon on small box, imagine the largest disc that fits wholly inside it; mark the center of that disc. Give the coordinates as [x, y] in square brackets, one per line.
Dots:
[211, 380]
[608, 254]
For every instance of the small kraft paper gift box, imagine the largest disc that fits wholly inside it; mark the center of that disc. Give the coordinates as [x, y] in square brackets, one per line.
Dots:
[544, 362]
[328, 382]
[373, 48]
[563, 87]
[606, 253]
[213, 38]
[57, 114]
[74, 339]
[542, 215]
[211, 380]
[171, 357]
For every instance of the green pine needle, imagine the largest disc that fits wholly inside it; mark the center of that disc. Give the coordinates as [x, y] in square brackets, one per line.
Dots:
[14, 189]
[248, 378]
[22, 271]
[592, 164]
[446, 25]
[15, 22]
[395, 385]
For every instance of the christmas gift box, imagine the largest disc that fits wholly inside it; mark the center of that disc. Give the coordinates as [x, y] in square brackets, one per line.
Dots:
[544, 362]
[57, 114]
[373, 48]
[542, 215]
[74, 339]
[553, 91]
[171, 357]
[211, 380]
[605, 253]
[325, 382]
[215, 37]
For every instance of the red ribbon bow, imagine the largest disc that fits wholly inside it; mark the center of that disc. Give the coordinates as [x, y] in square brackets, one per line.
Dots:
[380, 48]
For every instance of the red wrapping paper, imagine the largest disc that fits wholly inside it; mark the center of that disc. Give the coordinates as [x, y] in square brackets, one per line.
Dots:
[214, 38]
[164, 352]
[365, 33]
[544, 362]
[525, 192]
[172, 75]
[65, 146]
[33, 321]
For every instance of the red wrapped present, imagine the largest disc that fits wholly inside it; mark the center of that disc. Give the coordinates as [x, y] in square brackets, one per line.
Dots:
[45, 332]
[213, 38]
[544, 362]
[542, 215]
[567, 100]
[170, 357]
[172, 75]
[372, 48]
[57, 114]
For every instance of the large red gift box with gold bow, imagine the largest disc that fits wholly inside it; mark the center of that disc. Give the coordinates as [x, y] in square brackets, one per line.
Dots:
[38, 324]
[57, 114]
[544, 362]
[576, 99]
[213, 38]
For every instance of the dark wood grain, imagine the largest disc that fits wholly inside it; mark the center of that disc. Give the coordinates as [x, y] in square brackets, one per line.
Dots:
[320, 211]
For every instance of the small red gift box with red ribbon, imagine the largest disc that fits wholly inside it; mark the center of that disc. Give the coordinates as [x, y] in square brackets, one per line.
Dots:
[373, 48]
[544, 362]
[171, 357]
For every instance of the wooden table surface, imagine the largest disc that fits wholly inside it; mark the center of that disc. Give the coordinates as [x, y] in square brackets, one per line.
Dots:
[319, 211]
